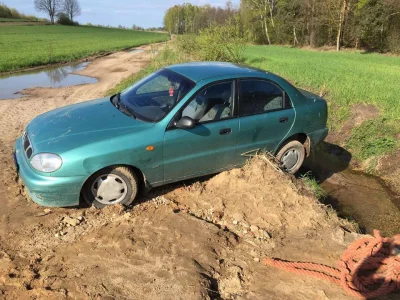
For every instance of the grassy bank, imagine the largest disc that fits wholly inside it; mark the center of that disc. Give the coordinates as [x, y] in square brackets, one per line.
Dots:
[28, 46]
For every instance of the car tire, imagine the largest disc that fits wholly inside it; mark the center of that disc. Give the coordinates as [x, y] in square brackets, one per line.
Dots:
[111, 186]
[291, 156]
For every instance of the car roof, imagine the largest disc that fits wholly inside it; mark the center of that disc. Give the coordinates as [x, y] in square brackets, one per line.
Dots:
[197, 71]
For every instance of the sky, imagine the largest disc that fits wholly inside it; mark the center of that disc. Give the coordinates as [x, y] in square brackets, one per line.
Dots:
[144, 13]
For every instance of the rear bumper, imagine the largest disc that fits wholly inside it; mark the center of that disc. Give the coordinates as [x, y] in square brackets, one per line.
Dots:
[317, 137]
[46, 190]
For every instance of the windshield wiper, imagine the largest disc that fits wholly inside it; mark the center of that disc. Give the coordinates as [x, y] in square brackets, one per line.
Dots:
[127, 110]
[116, 100]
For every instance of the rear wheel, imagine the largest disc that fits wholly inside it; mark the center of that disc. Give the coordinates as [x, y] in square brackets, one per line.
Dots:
[291, 156]
[110, 186]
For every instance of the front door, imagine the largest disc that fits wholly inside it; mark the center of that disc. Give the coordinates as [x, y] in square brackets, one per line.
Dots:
[265, 115]
[211, 145]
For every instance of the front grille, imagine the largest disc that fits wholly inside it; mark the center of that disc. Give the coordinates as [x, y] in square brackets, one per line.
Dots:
[27, 145]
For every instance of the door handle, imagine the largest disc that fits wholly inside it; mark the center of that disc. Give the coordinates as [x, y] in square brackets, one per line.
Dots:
[283, 120]
[225, 131]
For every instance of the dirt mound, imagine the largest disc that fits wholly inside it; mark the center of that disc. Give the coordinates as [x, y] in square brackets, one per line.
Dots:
[258, 198]
[199, 241]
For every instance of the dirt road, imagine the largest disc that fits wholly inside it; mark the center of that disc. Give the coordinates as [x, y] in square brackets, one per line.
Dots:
[199, 240]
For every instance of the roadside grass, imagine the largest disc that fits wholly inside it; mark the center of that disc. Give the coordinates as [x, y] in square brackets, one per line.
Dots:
[346, 79]
[166, 56]
[29, 46]
[313, 186]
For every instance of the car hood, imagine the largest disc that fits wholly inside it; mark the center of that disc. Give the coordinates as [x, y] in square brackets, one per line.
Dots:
[80, 124]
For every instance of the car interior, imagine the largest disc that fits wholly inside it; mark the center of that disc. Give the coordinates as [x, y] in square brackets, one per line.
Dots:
[213, 103]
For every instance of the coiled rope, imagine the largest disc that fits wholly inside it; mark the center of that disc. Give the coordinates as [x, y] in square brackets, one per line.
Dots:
[368, 268]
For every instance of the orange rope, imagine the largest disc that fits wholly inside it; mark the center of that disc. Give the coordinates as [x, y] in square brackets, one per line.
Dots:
[368, 268]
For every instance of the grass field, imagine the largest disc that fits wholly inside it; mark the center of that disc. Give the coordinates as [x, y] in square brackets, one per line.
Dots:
[16, 20]
[348, 78]
[28, 46]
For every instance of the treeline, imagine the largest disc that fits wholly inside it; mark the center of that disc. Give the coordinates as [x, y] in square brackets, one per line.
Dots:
[364, 24]
[12, 13]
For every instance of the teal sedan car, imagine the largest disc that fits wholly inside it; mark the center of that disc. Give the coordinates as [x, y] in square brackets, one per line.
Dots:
[180, 122]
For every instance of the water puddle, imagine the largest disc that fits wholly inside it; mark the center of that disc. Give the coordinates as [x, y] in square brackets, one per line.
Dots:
[136, 51]
[355, 195]
[12, 85]
[364, 199]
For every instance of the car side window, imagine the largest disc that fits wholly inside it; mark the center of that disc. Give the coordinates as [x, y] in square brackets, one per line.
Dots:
[258, 96]
[212, 103]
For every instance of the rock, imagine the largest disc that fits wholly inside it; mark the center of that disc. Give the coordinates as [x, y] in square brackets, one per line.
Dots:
[71, 221]
[256, 259]
[254, 228]
[245, 225]
[267, 235]
[47, 210]
[237, 216]
[80, 218]
[127, 216]
[57, 235]
[20, 198]
[235, 222]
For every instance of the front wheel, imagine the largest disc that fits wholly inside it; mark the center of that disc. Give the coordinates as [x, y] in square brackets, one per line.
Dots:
[291, 156]
[110, 186]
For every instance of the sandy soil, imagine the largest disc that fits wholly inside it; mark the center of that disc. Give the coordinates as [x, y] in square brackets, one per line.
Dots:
[192, 240]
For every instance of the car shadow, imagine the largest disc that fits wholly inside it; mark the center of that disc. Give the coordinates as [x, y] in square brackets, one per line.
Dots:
[326, 160]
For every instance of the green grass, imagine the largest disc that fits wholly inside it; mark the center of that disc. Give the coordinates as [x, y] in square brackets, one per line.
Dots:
[28, 46]
[348, 78]
[313, 186]
[16, 20]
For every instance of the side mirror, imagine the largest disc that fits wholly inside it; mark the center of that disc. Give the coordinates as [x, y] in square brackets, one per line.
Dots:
[186, 123]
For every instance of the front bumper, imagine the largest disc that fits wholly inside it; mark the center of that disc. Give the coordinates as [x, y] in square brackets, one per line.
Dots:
[46, 190]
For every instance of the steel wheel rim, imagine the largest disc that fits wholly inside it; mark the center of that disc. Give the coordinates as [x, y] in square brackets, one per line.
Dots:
[290, 159]
[109, 189]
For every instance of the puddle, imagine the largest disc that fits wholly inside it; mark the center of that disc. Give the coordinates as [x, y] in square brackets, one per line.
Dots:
[136, 51]
[12, 85]
[355, 195]
[363, 198]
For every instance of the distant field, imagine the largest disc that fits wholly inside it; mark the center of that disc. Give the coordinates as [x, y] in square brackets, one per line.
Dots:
[28, 46]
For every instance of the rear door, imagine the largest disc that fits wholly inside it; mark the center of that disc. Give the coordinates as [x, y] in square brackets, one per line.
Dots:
[265, 116]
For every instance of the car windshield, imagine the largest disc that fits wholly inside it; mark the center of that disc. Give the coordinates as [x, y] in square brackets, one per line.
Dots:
[153, 97]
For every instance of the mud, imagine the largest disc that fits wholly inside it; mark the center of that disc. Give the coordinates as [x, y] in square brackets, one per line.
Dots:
[192, 240]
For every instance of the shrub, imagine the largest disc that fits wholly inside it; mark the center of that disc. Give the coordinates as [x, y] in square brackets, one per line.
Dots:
[63, 19]
[222, 43]
[216, 43]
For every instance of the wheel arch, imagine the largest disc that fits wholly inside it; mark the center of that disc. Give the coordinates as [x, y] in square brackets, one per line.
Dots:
[301, 137]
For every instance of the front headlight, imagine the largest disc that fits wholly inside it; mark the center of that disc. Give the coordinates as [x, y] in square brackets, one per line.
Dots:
[46, 162]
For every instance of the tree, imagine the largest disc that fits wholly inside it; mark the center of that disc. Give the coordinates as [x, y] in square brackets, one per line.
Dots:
[51, 7]
[71, 8]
